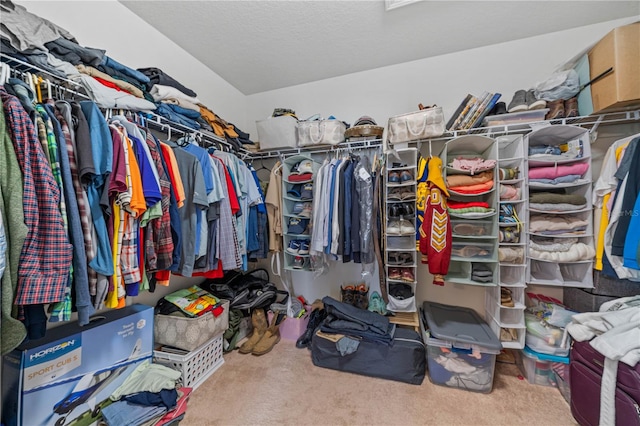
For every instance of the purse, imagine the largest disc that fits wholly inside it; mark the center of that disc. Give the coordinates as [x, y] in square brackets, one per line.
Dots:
[320, 132]
[423, 124]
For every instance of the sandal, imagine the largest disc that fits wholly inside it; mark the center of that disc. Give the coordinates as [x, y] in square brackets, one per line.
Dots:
[469, 251]
[395, 195]
[395, 259]
[407, 195]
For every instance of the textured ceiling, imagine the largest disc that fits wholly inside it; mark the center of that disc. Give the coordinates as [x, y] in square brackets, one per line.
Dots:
[263, 45]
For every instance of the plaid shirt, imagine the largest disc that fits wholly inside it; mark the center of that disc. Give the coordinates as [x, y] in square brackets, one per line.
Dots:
[158, 240]
[45, 261]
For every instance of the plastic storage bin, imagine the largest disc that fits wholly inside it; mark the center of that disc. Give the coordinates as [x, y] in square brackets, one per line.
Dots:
[561, 377]
[461, 348]
[538, 367]
[196, 366]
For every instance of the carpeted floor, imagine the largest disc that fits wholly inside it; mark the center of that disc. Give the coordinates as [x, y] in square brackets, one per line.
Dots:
[283, 387]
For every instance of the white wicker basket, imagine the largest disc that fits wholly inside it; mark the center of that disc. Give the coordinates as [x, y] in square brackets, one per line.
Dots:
[196, 366]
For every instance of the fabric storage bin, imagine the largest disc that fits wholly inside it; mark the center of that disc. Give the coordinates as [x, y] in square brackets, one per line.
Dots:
[423, 124]
[185, 333]
[537, 367]
[320, 132]
[277, 132]
[461, 347]
[196, 366]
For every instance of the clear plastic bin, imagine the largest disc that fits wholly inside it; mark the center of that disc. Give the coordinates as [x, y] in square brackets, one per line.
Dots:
[537, 367]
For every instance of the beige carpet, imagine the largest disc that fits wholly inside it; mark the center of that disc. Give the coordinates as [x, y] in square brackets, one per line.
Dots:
[283, 387]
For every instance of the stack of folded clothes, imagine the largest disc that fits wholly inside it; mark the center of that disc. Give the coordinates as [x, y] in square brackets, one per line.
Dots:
[472, 165]
[471, 184]
[559, 249]
[461, 208]
[556, 202]
[567, 151]
[551, 224]
[481, 273]
[554, 175]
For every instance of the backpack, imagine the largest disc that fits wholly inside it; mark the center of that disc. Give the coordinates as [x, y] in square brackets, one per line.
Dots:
[244, 291]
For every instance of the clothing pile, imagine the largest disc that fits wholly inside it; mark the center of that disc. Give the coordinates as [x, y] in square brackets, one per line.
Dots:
[472, 371]
[556, 202]
[568, 151]
[472, 164]
[110, 84]
[469, 208]
[549, 224]
[103, 210]
[561, 250]
[480, 183]
[150, 395]
[557, 174]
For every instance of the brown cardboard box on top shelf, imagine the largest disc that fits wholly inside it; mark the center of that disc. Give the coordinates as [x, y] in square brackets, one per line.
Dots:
[620, 89]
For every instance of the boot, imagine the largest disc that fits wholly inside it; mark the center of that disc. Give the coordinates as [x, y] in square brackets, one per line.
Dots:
[315, 318]
[270, 337]
[260, 324]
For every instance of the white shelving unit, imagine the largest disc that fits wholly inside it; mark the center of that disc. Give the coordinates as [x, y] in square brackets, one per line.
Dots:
[400, 226]
[561, 272]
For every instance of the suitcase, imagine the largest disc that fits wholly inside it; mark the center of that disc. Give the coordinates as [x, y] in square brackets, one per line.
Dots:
[403, 361]
[586, 375]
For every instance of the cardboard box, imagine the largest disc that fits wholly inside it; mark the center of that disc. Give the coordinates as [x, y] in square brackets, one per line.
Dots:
[69, 375]
[620, 89]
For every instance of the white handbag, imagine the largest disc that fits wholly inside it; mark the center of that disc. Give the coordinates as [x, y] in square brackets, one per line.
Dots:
[423, 124]
[320, 132]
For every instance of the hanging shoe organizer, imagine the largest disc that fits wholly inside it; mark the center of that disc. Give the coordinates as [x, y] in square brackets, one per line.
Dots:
[400, 229]
[505, 304]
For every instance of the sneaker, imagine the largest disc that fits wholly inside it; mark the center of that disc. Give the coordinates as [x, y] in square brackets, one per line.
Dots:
[499, 108]
[407, 227]
[394, 195]
[306, 210]
[394, 177]
[294, 247]
[533, 102]
[519, 102]
[393, 227]
[376, 304]
[298, 262]
[304, 247]
[406, 176]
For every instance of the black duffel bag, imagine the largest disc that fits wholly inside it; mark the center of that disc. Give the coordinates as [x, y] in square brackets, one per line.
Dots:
[244, 291]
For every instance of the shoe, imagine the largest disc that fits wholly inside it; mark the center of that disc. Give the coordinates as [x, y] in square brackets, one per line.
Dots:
[395, 210]
[509, 235]
[407, 195]
[394, 195]
[519, 102]
[508, 173]
[505, 297]
[533, 102]
[407, 211]
[394, 177]
[556, 110]
[571, 107]
[271, 336]
[406, 176]
[259, 323]
[407, 275]
[315, 319]
[376, 304]
[395, 274]
[361, 297]
[393, 227]
[304, 247]
[394, 259]
[348, 294]
[499, 108]
[294, 247]
[306, 211]
[298, 262]
[407, 227]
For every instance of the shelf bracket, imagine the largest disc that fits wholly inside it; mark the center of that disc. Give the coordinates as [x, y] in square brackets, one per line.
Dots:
[593, 132]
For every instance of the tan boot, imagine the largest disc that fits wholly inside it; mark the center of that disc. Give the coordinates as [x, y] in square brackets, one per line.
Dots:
[260, 324]
[270, 338]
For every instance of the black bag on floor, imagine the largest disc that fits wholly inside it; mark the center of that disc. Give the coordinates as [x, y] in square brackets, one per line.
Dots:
[404, 360]
[244, 291]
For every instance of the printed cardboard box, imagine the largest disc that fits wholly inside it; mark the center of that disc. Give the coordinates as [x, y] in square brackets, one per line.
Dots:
[68, 376]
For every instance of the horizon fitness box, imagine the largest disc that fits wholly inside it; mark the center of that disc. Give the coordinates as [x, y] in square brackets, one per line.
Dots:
[67, 376]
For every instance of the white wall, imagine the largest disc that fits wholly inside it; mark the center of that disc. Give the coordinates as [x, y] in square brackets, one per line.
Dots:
[128, 39]
[442, 80]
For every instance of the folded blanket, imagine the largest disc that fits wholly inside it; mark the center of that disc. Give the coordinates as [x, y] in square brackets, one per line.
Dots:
[552, 244]
[473, 189]
[561, 207]
[577, 252]
[554, 172]
[552, 197]
[471, 210]
[465, 180]
[549, 222]
[464, 204]
[558, 180]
